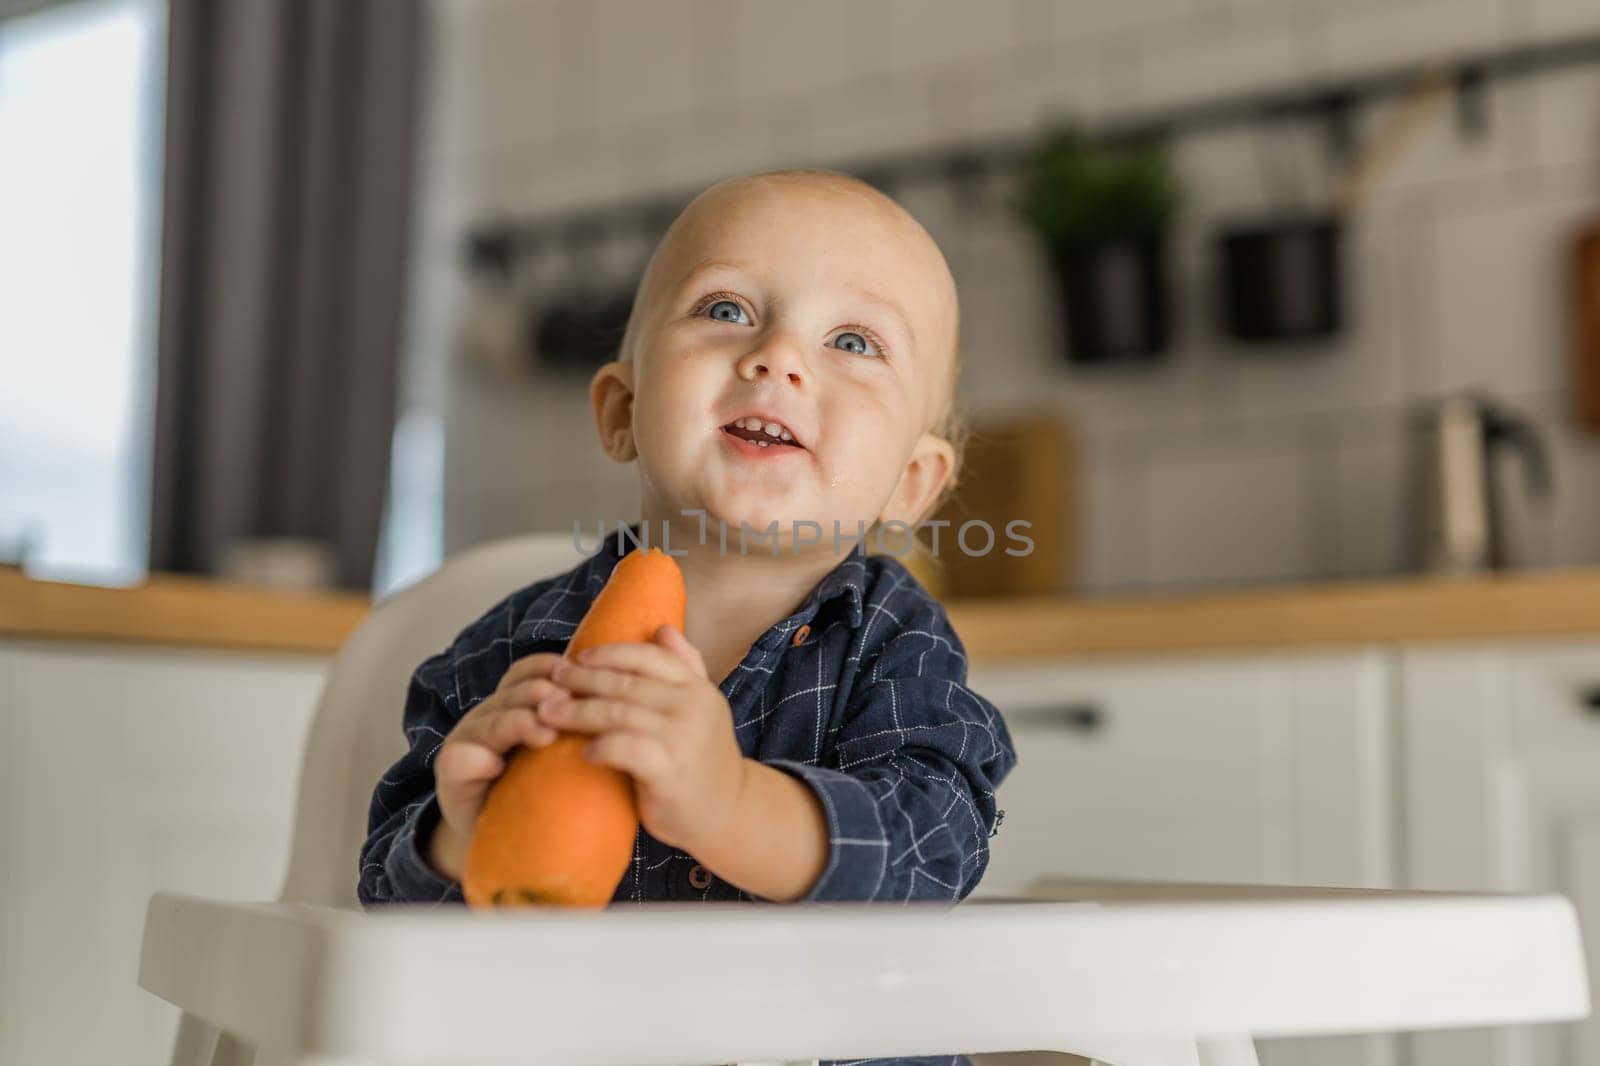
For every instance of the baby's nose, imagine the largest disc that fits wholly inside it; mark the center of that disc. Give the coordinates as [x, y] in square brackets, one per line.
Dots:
[794, 375]
[774, 359]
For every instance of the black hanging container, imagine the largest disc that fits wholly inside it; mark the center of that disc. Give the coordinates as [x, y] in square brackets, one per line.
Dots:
[1282, 280]
[1114, 299]
[580, 331]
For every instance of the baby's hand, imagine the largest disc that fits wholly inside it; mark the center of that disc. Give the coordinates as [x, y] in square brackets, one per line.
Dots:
[656, 715]
[473, 755]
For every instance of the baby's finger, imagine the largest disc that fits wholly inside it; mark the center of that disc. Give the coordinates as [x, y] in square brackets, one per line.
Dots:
[502, 731]
[461, 766]
[673, 639]
[538, 664]
[538, 734]
[638, 754]
[598, 715]
[619, 684]
[649, 660]
[527, 693]
[511, 728]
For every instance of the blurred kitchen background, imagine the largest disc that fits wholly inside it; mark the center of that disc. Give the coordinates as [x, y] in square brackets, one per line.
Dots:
[373, 367]
[1256, 294]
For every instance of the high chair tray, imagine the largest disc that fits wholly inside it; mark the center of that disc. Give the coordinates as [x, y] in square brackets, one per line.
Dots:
[1101, 966]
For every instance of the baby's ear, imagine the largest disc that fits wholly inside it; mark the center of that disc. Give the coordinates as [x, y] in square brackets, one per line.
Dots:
[611, 394]
[931, 464]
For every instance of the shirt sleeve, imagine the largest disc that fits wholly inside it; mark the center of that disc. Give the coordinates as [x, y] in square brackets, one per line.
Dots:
[908, 782]
[405, 808]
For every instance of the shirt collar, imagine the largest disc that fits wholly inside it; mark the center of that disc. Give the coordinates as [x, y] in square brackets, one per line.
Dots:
[556, 613]
[847, 580]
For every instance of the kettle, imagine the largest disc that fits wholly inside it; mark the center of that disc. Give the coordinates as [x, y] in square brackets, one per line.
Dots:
[1463, 526]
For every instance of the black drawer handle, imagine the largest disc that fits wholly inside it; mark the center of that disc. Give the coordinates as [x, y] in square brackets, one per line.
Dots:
[1590, 699]
[1078, 717]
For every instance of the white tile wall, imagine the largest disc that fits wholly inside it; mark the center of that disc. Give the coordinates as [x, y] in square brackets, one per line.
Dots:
[903, 40]
[1220, 55]
[823, 49]
[1231, 511]
[1111, 517]
[513, 50]
[1371, 494]
[1564, 120]
[1220, 464]
[1364, 35]
[665, 46]
[1552, 18]
[1499, 291]
[1094, 20]
[1046, 84]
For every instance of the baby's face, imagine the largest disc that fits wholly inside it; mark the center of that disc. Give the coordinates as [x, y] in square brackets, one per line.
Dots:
[822, 313]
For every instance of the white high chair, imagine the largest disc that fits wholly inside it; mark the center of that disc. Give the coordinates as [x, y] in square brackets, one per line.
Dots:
[355, 732]
[1136, 975]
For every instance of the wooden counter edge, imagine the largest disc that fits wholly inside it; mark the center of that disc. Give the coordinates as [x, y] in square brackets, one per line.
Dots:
[1546, 603]
[200, 612]
[180, 610]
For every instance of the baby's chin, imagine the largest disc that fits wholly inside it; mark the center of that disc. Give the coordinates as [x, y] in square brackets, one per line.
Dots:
[758, 513]
[758, 516]
[791, 502]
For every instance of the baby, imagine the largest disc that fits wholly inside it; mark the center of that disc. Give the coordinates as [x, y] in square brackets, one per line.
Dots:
[790, 361]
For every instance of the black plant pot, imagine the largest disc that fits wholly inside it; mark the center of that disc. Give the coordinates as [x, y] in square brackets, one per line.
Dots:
[1114, 298]
[1282, 279]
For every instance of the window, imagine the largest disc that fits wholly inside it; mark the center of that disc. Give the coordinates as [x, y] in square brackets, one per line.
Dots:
[81, 103]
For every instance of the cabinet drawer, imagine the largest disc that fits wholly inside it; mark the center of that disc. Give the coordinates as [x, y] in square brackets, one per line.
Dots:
[1501, 746]
[1555, 697]
[1243, 770]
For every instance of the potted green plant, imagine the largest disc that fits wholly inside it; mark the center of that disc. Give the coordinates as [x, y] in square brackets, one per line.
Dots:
[1103, 213]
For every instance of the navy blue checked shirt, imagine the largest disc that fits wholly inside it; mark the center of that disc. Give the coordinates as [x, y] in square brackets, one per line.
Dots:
[870, 708]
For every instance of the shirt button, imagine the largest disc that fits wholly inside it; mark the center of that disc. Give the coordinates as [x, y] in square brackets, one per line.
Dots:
[801, 634]
[700, 877]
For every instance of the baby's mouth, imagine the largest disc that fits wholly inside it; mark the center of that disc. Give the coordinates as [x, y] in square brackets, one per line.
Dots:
[763, 434]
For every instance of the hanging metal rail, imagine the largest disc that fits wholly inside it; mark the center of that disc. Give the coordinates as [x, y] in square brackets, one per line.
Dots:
[1333, 101]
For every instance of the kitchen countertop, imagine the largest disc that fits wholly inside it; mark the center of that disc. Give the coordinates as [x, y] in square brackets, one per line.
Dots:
[197, 612]
[179, 610]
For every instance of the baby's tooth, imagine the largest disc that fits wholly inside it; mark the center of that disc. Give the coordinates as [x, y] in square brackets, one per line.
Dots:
[787, 435]
[773, 429]
[763, 444]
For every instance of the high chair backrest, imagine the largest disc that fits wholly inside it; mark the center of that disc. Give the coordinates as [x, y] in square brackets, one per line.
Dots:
[356, 734]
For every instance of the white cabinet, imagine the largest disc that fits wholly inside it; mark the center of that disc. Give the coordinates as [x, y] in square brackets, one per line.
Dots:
[1259, 769]
[1272, 769]
[1502, 792]
[124, 771]
[127, 770]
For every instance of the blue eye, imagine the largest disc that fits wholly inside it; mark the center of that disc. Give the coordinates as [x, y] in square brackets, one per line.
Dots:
[723, 316]
[858, 339]
[854, 341]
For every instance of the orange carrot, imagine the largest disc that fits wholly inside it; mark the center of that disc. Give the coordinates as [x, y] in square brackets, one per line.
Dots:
[555, 828]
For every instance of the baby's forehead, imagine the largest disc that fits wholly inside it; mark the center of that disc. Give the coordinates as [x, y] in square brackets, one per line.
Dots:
[844, 209]
[847, 223]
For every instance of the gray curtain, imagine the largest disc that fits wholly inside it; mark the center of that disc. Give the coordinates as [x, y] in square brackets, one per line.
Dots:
[287, 196]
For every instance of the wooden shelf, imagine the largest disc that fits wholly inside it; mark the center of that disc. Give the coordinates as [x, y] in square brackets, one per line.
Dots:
[172, 609]
[1548, 603]
[202, 613]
